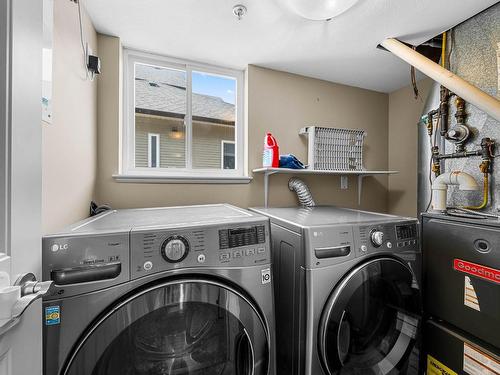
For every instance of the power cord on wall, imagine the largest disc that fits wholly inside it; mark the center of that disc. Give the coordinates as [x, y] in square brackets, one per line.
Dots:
[95, 209]
[413, 78]
[88, 73]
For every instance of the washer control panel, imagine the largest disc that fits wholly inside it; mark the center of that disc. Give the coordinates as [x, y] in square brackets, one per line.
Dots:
[213, 246]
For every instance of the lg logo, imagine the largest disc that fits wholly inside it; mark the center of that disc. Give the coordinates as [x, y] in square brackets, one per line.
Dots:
[55, 247]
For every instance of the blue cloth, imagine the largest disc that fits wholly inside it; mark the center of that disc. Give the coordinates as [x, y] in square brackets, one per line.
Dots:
[290, 161]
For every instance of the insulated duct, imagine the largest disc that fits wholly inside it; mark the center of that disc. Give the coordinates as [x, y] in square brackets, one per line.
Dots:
[452, 82]
[303, 193]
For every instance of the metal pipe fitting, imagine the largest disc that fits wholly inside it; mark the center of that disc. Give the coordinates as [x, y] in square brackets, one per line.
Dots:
[455, 155]
[443, 110]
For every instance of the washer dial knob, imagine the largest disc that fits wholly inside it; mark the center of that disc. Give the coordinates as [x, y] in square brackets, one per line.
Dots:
[377, 238]
[175, 249]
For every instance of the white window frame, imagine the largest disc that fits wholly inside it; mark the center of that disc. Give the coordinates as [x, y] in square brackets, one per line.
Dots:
[222, 152]
[150, 137]
[128, 172]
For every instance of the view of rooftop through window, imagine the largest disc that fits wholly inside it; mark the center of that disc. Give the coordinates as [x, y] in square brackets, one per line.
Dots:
[161, 107]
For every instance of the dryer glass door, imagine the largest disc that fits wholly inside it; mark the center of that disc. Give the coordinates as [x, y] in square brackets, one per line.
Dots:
[179, 327]
[371, 321]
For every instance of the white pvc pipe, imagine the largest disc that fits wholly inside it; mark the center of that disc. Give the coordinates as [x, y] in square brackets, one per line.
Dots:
[440, 187]
[452, 82]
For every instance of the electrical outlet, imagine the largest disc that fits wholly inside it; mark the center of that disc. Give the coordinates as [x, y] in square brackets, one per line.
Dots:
[344, 182]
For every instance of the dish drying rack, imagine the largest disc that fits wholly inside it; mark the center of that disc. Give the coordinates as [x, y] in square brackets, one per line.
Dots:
[334, 149]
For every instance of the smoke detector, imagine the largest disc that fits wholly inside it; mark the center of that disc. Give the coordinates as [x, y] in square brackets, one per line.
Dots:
[239, 11]
[319, 10]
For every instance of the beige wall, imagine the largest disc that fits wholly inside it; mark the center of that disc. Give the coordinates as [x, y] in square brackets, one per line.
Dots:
[283, 103]
[278, 102]
[404, 113]
[69, 143]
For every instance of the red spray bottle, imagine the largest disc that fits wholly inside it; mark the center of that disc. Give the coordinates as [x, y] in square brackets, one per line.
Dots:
[271, 155]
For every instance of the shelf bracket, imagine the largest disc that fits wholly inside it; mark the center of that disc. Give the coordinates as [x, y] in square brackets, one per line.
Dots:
[360, 186]
[361, 177]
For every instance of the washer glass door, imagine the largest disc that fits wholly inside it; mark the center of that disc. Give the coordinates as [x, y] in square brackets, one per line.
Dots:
[179, 327]
[371, 321]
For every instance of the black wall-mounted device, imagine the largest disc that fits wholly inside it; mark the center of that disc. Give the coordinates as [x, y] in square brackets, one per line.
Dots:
[94, 64]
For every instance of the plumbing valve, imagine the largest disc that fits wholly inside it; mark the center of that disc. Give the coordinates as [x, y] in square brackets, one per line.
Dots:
[429, 125]
[436, 165]
[443, 109]
[460, 114]
[487, 150]
[429, 121]
[484, 167]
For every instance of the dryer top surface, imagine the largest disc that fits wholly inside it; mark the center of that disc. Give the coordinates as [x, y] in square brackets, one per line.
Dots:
[326, 215]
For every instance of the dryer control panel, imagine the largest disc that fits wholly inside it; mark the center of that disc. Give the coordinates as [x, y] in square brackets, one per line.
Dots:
[212, 246]
[341, 243]
[401, 236]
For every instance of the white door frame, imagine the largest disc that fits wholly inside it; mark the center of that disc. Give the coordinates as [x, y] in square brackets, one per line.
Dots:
[4, 151]
[21, 28]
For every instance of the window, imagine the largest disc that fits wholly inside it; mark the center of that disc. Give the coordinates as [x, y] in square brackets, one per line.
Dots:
[228, 156]
[153, 150]
[182, 121]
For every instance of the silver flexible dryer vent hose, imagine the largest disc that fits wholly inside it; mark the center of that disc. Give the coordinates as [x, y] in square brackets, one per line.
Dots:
[302, 191]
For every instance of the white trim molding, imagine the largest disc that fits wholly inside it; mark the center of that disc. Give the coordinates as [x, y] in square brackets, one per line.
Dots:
[128, 171]
[180, 179]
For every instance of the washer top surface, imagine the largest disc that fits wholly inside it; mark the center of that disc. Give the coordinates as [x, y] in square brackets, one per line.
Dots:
[325, 215]
[160, 217]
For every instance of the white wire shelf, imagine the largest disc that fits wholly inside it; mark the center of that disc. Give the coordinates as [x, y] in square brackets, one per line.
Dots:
[360, 174]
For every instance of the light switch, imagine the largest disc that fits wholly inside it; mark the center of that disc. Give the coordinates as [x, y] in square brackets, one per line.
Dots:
[344, 182]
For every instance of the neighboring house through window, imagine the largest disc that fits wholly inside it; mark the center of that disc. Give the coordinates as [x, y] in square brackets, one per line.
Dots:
[183, 120]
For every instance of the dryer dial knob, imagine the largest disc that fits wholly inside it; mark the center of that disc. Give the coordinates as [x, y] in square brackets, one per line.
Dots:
[377, 238]
[175, 249]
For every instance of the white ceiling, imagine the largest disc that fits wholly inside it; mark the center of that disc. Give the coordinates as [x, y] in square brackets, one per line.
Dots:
[342, 50]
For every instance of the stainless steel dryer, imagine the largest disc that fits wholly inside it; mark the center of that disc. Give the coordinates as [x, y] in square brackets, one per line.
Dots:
[346, 291]
[181, 290]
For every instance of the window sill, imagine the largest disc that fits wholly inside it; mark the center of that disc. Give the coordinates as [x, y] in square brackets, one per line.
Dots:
[145, 179]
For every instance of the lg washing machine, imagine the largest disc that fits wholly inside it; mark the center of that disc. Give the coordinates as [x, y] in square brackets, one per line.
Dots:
[181, 290]
[346, 291]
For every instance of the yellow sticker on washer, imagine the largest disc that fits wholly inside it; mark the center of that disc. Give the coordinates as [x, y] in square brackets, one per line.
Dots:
[434, 367]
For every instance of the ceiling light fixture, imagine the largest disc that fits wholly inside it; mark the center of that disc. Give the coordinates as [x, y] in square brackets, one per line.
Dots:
[319, 10]
[239, 11]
